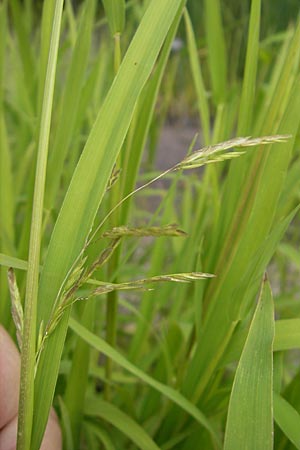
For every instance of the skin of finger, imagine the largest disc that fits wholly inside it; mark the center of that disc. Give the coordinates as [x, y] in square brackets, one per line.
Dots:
[52, 438]
[9, 378]
[9, 396]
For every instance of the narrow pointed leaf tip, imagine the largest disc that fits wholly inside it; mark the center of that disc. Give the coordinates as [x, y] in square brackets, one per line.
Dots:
[168, 230]
[250, 413]
[213, 153]
[115, 13]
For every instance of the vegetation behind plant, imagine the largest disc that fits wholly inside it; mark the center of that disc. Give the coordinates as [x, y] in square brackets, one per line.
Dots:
[152, 327]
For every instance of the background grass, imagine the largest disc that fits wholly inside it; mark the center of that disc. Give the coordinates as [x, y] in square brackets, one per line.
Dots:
[173, 366]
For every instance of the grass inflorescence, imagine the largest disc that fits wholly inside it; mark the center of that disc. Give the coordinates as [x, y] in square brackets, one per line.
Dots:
[150, 322]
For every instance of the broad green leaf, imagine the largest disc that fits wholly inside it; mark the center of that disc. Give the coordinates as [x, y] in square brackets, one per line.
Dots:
[287, 334]
[288, 419]
[86, 192]
[78, 377]
[73, 31]
[217, 55]
[203, 106]
[28, 357]
[6, 182]
[70, 103]
[274, 111]
[42, 58]
[25, 49]
[277, 71]
[252, 223]
[11, 261]
[249, 80]
[7, 196]
[102, 346]
[250, 414]
[257, 266]
[115, 13]
[95, 408]
[143, 118]
[233, 227]
[238, 168]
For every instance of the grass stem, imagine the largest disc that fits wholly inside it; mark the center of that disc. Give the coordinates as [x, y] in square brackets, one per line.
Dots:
[112, 297]
[26, 399]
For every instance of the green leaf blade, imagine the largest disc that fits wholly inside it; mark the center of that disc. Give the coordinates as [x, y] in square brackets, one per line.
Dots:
[250, 414]
[85, 193]
[115, 13]
[203, 106]
[95, 407]
[249, 83]
[288, 419]
[217, 54]
[287, 334]
[103, 347]
[70, 103]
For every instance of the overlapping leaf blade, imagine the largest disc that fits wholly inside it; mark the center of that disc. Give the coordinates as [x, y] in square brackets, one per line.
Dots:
[85, 193]
[123, 422]
[102, 346]
[250, 414]
[288, 419]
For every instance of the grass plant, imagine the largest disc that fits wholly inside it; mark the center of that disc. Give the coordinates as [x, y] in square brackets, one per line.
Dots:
[150, 329]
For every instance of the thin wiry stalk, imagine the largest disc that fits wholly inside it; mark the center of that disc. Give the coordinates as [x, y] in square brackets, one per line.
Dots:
[26, 398]
[199, 158]
[112, 297]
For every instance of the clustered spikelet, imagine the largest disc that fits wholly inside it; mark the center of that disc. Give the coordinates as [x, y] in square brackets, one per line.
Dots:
[139, 284]
[16, 305]
[168, 230]
[80, 274]
[218, 152]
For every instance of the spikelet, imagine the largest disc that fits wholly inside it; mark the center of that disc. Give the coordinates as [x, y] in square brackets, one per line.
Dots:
[219, 152]
[171, 230]
[16, 305]
[142, 283]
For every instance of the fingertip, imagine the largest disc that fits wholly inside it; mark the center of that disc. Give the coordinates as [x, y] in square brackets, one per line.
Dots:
[8, 436]
[9, 395]
[9, 376]
[52, 438]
